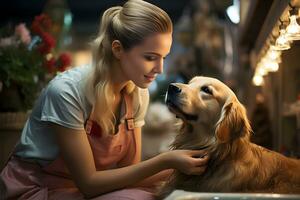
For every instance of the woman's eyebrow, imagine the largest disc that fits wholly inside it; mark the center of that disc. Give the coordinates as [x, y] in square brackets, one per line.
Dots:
[150, 52]
[157, 54]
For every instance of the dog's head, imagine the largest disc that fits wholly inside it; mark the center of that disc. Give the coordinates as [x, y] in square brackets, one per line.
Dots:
[209, 106]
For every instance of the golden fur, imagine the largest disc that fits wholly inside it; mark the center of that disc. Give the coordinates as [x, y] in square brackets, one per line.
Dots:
[220, 126]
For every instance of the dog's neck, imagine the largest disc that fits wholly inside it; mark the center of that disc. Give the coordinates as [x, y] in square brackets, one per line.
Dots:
[190, 138]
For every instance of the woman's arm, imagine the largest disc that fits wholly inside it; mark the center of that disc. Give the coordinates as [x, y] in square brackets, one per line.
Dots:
[77, 154]
[138, 141]
[153, 180]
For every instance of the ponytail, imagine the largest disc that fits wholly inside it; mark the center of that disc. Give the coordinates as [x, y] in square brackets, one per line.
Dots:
[102, 57]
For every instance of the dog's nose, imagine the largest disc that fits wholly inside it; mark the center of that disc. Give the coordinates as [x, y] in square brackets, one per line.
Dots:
[174, 89]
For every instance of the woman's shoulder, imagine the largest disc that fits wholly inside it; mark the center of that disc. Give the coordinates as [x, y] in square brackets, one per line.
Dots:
[141, 99]
[142, 96]
[140, 105]
[63, 102]
[75, 74]
[70, 81]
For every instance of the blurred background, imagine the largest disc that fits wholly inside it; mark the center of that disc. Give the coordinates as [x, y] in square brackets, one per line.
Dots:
[251, 45]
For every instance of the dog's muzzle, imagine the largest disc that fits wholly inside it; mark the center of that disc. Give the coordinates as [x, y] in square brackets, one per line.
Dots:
[172, 93]
[173, 102]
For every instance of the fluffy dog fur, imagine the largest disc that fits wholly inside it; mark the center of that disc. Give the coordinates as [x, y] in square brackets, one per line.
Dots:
[214, 120]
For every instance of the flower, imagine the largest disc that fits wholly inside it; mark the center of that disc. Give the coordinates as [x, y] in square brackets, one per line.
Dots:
[41, 23]
[63, 61]
[28, 60]
[48, 43]
[23, 33]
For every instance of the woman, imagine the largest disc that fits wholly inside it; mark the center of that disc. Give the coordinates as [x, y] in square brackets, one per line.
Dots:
[83, 138]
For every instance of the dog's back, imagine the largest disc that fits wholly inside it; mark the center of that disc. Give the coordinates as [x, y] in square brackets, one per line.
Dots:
[246, 168]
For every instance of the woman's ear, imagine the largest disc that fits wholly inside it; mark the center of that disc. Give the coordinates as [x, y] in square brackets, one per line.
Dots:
[116, 48]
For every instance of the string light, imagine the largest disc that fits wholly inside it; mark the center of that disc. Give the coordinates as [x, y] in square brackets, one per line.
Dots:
[273, 54]
[293, 29]
[261, 71]
[272, 66]
[258, 80]
[282, 43]
[269, 60]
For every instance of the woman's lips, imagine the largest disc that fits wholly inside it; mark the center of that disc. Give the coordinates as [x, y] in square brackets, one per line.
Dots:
[149, 78]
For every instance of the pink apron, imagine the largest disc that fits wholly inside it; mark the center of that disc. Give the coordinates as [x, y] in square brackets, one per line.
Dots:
[27, 180]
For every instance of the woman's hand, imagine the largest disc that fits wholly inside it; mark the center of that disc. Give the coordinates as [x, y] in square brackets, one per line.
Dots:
[191, 162]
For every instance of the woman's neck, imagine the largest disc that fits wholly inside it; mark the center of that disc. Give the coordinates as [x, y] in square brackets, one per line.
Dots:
[119, 81]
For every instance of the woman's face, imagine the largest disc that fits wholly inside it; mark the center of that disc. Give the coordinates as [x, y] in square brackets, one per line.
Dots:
[143, 62]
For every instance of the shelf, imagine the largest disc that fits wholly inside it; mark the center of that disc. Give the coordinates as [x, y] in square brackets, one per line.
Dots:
[292, 109]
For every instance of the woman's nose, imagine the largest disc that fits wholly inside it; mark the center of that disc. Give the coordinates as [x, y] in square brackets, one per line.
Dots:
[159, 68]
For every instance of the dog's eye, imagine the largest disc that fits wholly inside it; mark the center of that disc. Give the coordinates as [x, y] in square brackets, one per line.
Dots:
[206, 89]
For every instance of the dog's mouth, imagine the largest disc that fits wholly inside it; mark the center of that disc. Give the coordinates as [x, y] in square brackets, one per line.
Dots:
[178, 112]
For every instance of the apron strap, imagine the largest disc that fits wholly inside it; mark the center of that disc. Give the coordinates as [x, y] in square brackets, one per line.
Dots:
[129, 120]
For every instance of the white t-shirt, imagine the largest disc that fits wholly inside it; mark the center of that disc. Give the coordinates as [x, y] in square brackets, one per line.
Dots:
[65, 102]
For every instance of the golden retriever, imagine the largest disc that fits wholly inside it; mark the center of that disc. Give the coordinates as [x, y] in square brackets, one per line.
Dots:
[214, 120]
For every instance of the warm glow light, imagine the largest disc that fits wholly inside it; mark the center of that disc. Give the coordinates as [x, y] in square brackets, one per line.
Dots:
[278, 60]
[257, 80]
[272, 66]
[82, 57]
[269, 65]
[282, 42]
[260, 70]
[293, 29]
[273, 54]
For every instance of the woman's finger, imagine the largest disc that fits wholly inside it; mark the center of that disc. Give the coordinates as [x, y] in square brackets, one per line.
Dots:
[197, 153]
[201, 161]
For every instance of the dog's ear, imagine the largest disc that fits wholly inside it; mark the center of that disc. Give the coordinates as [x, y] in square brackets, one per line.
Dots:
[233, 122]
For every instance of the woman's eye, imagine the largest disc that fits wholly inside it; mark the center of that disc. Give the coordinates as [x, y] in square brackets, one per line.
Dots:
[206, 89]
[150, 58]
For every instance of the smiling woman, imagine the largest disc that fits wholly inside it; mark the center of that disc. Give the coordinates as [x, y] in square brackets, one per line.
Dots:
[83, 137]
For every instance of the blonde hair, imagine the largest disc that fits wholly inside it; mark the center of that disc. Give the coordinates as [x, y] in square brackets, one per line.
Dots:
[129, 24]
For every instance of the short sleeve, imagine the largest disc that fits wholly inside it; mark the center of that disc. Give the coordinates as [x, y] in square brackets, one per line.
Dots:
[61, 104]
[142, 100]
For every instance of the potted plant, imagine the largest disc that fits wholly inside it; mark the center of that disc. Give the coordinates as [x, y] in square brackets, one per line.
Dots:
[27, 63]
